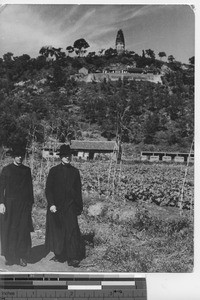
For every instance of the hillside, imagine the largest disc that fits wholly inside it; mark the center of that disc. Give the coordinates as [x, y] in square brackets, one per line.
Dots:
[40, 99]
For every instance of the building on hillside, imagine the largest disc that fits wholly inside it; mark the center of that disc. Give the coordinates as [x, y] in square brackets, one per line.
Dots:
[115, 68]
[120, 42]
[87, 150]
[136, 70]
[118, 70]
[133, 65]
[49, 150]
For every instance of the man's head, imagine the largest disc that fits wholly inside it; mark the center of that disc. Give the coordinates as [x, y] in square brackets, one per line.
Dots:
[65, 154]
[18, 153]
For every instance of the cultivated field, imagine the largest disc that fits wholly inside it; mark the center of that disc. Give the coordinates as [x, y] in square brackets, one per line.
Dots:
[137, 217]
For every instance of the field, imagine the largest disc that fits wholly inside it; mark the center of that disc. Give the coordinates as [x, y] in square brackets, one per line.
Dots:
[137, 217]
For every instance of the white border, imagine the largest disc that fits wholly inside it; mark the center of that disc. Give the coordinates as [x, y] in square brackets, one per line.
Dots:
[160, 286]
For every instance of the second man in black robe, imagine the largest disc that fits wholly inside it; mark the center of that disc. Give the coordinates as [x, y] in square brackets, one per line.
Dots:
[64, 197]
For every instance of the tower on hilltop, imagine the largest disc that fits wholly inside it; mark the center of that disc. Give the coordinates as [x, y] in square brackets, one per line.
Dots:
[120, 43]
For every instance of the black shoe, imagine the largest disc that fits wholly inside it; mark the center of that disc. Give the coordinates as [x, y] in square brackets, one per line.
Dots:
[22, 262]
[74, 263]
[55, 258]
[61, 259]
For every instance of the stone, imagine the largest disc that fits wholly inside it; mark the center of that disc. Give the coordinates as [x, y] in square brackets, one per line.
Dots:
[96, 209]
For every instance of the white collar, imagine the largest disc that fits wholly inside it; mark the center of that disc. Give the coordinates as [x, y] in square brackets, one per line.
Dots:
[16, 164]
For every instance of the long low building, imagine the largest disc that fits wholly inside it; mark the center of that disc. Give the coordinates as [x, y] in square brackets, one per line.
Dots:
[99, 77]
[85, 150]
[154, 156]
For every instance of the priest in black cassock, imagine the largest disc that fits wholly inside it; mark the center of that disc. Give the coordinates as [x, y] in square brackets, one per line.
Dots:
[64, 197]
[16, 200]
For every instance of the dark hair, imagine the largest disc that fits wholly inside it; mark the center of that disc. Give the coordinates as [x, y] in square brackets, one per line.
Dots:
[18, 151]
[64, 150]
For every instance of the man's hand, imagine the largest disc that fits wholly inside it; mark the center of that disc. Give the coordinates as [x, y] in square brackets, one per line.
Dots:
[2, 209]
[53, 209]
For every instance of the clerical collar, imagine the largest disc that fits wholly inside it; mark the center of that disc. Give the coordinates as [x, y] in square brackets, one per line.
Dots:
[16, 164]
[66, 165]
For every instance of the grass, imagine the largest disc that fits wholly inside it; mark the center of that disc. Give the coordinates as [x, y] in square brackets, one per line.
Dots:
[143, 243]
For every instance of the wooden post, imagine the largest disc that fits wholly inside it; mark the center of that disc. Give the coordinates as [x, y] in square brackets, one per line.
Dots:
[99, 186]
[109, 171]
[184, 180]
[120, 173]
[114, 176]
[41, 169]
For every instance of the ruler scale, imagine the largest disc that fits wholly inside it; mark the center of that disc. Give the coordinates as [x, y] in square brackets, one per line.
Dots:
[72, 287]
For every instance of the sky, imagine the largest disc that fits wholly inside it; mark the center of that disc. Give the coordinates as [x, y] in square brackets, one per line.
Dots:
[26, 28]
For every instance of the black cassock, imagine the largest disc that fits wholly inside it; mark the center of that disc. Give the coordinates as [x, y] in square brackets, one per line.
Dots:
[16, 192]
[63, 189]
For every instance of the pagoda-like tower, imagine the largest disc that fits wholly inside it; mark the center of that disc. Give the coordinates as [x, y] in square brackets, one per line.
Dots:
[120, 43]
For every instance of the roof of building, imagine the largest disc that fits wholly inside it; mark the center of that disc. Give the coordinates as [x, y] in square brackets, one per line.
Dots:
[86, 145]
[165, 152]
[93, 145]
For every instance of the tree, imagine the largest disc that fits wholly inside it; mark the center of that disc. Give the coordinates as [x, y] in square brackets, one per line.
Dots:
[40, 62]
[101, 52]
[58, 53]
[110, 52]
[80, 46]
[150, 53]
[150, 127]
[76, 64]
[162, 54]
[20, 118]
[128, 53]
[19, 66]
[59, 77]
[91, 54]
[45, 51]
[171, 58]
[70, 49]
[24, 57]
[49, 51]
[7, 57]
[191, 60]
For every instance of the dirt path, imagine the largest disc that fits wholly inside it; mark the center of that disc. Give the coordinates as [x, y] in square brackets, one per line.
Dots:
[40, 261]
[115, 247]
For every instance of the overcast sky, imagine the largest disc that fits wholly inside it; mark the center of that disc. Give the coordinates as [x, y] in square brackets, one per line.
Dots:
[25, 28]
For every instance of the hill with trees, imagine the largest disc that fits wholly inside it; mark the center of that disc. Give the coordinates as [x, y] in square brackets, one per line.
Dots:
[38, 98]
